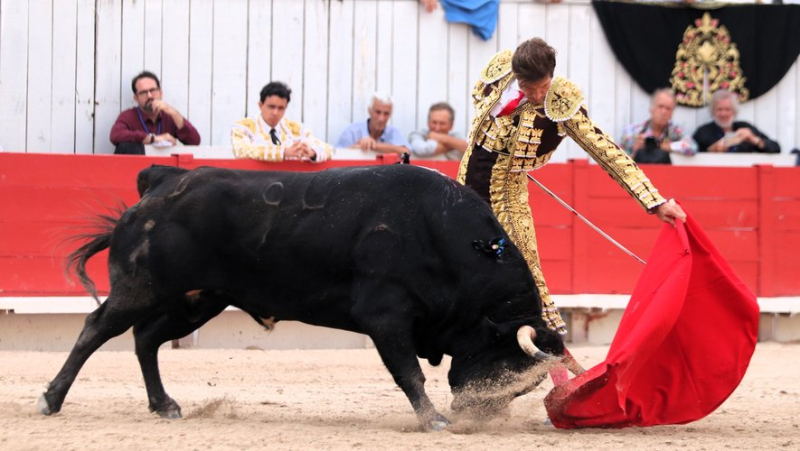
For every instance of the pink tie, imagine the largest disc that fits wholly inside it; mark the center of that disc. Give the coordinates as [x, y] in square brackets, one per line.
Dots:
[511, 105]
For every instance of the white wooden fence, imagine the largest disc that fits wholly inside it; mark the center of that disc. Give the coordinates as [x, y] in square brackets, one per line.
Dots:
[66, 66]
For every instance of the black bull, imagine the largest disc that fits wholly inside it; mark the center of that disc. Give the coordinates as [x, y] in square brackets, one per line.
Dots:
[402, 254]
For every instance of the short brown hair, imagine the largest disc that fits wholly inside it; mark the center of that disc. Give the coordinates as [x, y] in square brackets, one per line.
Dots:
[534, 60]
[443, 106]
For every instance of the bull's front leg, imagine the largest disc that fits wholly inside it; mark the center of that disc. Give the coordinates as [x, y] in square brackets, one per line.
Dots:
[400, 359]
[390, 328]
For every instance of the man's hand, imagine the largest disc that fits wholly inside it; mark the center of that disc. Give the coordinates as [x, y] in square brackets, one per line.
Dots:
[366, 143]
[670, 211]
[165, 137]
[638, 143]
[299, 151]
[160, 106]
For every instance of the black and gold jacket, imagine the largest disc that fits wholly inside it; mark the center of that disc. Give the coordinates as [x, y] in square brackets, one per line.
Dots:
[528, 136]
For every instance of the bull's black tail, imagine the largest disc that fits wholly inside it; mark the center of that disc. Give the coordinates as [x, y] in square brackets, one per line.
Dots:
[98, 240]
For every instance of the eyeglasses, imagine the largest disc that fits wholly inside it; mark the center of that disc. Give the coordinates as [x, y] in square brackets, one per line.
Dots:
[151, 91]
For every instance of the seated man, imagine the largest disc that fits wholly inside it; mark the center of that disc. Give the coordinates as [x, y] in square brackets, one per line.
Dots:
[438, 139]
[145, 123]
[271, 137]
[375, 134]
[659, 131]
[726, 134]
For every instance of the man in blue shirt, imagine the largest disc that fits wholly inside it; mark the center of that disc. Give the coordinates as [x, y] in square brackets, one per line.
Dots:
[375, 134]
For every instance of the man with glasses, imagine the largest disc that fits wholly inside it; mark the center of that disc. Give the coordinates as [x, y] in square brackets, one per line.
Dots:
[151, 121]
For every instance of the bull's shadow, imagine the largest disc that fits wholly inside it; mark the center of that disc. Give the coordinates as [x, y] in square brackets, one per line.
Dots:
[402, 254]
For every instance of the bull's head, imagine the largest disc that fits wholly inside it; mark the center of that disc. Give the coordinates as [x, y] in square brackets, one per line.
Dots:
[509, 361]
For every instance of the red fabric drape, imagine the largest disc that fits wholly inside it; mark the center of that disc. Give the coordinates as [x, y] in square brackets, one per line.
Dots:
[682, 347]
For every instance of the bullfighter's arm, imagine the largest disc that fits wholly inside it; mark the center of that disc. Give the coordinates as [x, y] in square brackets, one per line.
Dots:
[612, 159]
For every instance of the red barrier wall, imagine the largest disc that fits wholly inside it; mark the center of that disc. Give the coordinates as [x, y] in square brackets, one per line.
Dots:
[752, 214]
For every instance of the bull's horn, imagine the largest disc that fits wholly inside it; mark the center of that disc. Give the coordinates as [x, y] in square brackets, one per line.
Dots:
[525, 336]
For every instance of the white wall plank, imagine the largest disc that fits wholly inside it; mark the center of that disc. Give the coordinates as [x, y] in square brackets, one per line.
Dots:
[201, 32]
[340, 70]
[259, 53]
[229, 67]
[315, 68]
[507, 31]
[384, 56]
[578, 66]
[365, 56]
[13, 75]
[404, 66]
[766, 113]
[432, 72]
[85, 78]
[531, 22]
[479, 52]
[175, 53]
[601, 103]
[459, 79]
[153, 29]
[133, 47]
[40, 75]
[64, 42]
[287, 50]
[108, 81]
[786, 110]
[558, 36]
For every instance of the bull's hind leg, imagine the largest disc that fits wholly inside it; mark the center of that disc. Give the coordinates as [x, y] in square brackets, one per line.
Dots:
[151, 333]
[391, 331]
[109, 320]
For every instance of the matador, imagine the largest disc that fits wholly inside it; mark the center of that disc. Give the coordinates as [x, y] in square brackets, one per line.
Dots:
[522, 114]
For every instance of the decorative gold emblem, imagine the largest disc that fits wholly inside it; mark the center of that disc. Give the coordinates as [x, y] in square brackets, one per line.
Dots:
[706, 61]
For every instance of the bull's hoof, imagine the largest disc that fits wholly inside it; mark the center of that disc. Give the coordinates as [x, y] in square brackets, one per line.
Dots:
[170, 414]
[168, 409]
[44, 406]
[437, 423]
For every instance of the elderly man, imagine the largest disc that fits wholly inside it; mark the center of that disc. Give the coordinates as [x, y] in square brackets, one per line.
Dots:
[658, 132]
[151, 121]
[439, 139]
[522, 114]
[271, 137]
[726, 134]
[375, 134]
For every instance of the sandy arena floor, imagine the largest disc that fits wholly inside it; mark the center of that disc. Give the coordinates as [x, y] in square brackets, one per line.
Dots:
[345, 399]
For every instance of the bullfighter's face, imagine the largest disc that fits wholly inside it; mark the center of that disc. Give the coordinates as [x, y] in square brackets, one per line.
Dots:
[535, 91]
[272, 109]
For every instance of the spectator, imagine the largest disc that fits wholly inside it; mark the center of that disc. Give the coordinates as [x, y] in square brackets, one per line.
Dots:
[271, 137]
[439, 138]
[726, 134]
[658, 134]
[375, 134]
[151, 121]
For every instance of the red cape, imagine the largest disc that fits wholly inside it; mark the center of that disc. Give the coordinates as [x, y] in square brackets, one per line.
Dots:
[682, 347]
